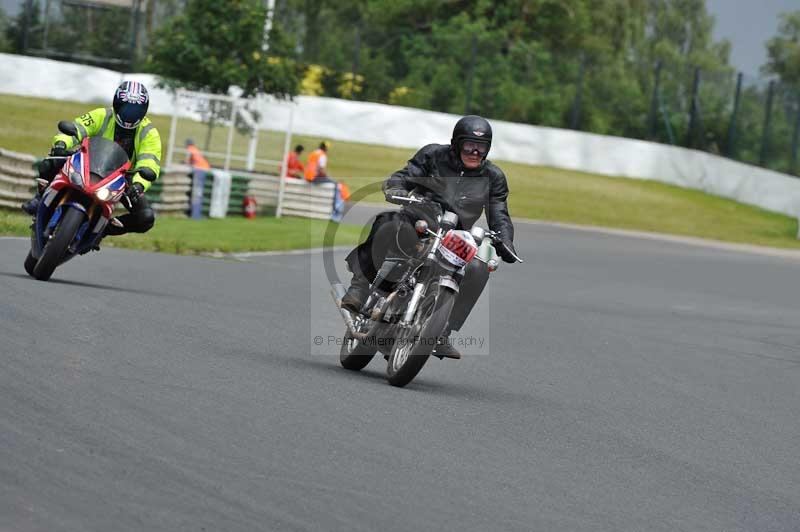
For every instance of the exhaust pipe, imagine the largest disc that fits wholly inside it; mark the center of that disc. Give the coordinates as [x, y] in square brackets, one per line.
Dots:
[337, 293]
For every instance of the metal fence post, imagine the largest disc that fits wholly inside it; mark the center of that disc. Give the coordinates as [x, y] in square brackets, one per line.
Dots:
[471, 75]
[577, 104]
[356, 57]
[173, 127]
[46, 23]
[795, 139]
[730, 143]
[287, 143]
[229, 145]
[667, 125]
[27, 24]
[762, 158]
[135, 7]
[652, 119]
[690, 133]
[269, 14]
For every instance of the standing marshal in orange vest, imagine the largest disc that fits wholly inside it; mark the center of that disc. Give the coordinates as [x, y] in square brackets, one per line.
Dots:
[194, 157]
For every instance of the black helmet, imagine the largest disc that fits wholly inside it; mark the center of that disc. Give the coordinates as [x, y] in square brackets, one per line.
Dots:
[130, 104]
[471, 127]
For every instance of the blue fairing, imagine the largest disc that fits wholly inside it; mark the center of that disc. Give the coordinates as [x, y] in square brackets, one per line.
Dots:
[82, 231]
[55, 217]
[43, 218]
[47, 222]
[85, 238]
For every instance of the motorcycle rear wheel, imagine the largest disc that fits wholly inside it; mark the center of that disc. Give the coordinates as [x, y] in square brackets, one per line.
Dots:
[55, 249]
[355, 354]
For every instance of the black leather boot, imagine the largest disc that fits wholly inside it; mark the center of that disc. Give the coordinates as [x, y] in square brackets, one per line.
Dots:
[357, 294]
[48, 168]
[444, 348]
[32, 204]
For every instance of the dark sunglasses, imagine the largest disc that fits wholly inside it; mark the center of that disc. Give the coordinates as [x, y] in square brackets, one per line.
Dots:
[470, 147]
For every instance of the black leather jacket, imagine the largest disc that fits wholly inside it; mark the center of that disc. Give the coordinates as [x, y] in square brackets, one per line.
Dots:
[437, 170]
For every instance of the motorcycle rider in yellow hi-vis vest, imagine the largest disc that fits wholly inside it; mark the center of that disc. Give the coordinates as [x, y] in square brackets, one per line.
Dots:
[126, 124]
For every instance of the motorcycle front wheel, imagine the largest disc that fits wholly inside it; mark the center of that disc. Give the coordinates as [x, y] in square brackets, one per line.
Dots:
[56, 248]
[30, 263]
[413, 346]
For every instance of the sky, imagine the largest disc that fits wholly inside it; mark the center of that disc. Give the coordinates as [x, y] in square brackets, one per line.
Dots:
[748, 24]
[10, 6]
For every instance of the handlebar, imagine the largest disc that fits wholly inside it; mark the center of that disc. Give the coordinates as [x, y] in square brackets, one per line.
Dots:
[516, 257]
[496, 239]
[494, 235]
[408, 199]
[68, 154]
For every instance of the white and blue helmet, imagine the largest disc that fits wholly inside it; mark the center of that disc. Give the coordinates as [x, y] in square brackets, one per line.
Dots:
[131, 101]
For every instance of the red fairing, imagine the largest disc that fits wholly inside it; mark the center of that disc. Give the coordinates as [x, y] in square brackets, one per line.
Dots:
[62, 180]
[85, 161]
[462, 247]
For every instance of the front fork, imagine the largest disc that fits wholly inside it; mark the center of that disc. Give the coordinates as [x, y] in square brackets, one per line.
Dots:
[413, 303]
[419, 288]
[445, 281]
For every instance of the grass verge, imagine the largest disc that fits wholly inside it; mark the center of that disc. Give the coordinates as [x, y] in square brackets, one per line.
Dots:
[187, 237]
[536, 192]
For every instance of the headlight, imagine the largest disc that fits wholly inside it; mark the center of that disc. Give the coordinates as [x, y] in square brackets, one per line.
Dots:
[103, 194]
[477, 233]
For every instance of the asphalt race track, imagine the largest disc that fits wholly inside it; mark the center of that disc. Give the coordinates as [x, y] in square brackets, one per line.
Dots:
[626, 385]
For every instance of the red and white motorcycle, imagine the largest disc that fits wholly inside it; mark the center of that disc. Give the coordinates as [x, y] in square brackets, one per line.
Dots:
[76, 207]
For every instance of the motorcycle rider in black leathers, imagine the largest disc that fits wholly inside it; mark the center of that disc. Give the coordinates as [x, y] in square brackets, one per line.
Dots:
[459, 178]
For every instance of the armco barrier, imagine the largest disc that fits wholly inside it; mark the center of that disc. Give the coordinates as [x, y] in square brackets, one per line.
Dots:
[16, 178]
[309, 201]
[300, 198]
[170, 193]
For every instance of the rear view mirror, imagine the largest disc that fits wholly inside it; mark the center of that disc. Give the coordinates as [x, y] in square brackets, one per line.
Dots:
[68, 128]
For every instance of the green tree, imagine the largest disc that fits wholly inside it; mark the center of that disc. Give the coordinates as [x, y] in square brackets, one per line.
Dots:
[5, 45]
[213, 46]
[103, 33]
[679, 35]
[530, 57]
[783, 61]
[783, 50]
[26, 26]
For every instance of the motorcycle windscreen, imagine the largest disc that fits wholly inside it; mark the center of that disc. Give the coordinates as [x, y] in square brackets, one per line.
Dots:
[105, 156]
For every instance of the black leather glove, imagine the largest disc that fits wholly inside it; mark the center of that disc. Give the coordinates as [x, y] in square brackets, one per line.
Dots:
[503, 249]
[396, 192]
[59, 149]
[133, 195]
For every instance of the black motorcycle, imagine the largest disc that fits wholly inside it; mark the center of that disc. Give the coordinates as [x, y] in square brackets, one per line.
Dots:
[412, 297]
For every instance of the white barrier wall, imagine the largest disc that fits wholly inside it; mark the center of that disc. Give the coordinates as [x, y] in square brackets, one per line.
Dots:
[411, 128]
